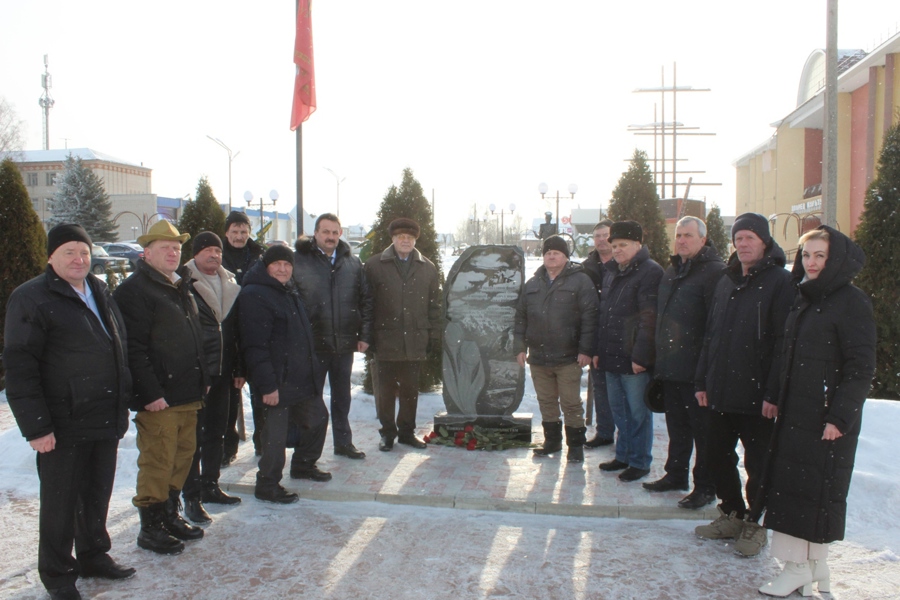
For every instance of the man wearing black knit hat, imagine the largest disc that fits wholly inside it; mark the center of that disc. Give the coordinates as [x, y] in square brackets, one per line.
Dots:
[68, 386]
[215, 292]
[407, 322]
[555, 323]
[737, 375]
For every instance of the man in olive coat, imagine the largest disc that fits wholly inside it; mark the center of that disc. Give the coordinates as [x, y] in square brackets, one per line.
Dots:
[407, 309]
[68, 385]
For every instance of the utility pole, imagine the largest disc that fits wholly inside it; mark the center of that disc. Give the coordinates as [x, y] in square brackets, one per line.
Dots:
[829, 151]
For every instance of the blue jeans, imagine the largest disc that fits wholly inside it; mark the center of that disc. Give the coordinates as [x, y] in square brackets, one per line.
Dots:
[633, 419]
[603, 418]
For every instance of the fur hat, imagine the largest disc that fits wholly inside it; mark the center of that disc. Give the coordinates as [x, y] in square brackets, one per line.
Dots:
[163, 230]
[404, 225]
[754, 222]
[277, 252]
[65, 233]
[626, 230]
[554, 242]
[205, 239]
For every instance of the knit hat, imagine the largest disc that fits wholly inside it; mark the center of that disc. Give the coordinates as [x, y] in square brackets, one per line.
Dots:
[754, 222]
[554, 242]
[626, 230]
[205, 239]
[236, 217]
[404, 225]
[277, 252]
[163, 230]
[65, 233]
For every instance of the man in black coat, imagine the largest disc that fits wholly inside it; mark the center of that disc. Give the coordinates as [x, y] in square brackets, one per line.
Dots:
[737, 374]
[595, 267]
[336, 295]
[277, 343]
[685, 299]
[165, 353]
[68, 385]
[556, 319]
[215, 291]
[239, 253]
[625, 347]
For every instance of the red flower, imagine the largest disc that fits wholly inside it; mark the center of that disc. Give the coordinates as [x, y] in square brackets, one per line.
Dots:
[469, 428]
[460, 435]
[472, 443]
[459, 441]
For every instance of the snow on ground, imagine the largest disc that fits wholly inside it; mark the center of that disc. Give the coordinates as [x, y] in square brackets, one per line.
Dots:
[348, 550]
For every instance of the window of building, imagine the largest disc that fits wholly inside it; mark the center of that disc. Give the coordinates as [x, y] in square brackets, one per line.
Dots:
[32, 179]
[50, 179]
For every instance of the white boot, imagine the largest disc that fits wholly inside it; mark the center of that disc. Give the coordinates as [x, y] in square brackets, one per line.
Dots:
[821, 574]
[794, 576]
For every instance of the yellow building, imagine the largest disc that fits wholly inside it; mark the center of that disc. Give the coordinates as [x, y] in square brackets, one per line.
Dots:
[782, 177]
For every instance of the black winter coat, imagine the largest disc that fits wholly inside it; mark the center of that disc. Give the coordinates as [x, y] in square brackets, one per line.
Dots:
[220, 332]
[337, 297]
[738, 366]
[240, 260]
[829, 362]
[276, 338]
[685, 298]
[165, 340]
[64, 374]
[556, 322]
[628, 315]
[597, 271]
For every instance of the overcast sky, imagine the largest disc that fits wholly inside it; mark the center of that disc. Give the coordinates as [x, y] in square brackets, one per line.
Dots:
[483, 99]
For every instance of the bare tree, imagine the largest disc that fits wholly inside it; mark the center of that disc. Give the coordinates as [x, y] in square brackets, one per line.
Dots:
[12, 136]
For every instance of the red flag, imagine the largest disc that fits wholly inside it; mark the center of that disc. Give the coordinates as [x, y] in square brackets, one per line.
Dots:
[305, 80]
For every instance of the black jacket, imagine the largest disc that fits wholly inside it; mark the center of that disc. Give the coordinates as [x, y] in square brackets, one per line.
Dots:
[556, 322]
[64, 374]
[165, 340]
[829, 362]
[685, 298]
[337, 297]
[240, 260]
[220, 332]
[597, 271]
[276, 338]
[628, 315]
[738, 366]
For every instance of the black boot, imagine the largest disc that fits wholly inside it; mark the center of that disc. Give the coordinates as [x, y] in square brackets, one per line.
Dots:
[175, 523]
[552, 438]
[194, 511]
[575, 441]
[153, 535]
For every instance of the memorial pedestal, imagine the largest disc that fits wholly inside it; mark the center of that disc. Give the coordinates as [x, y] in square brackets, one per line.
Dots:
[516, 426]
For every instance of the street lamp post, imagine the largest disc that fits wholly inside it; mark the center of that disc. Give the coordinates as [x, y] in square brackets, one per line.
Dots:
[339, 180]
[543, 188]
[512, 209]
[231, 157]
[273, 196]
[134, 232]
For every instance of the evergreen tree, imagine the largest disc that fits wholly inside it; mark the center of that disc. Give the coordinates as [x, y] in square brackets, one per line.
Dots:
[409, 201]
[877, 236]
[716, 233]
[80, 198]
[23, 251]
[635, 199]
[203, 214]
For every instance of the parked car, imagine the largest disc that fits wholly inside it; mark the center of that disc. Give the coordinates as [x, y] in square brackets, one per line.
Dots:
[124, 250]
[100, 260]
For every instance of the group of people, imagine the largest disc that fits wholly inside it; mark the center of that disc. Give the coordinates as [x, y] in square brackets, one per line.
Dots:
[743, 350]
[176, 344]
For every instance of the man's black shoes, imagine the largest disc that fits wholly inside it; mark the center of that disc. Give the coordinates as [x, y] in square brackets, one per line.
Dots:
[350, 451]
[633, 474]
[411, 440]
[696, 500]
[311, 472]
[386, 444]
[597, 441]
[104, 567]
[215, 495]
[613, 465]
[275, 494]
[666, 484]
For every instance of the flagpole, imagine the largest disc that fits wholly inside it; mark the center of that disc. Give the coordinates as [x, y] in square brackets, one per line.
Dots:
[299, 138]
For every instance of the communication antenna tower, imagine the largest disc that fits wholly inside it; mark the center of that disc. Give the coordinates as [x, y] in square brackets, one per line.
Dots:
[46, 102]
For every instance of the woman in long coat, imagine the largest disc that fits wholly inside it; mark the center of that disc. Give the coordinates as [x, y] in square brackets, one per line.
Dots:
[829, 362]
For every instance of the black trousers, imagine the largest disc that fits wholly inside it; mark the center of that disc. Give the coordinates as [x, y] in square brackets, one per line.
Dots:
[338, 368]
[309, 420]
[754, 433]
[397, 379]
[688, 425]
[76, 483]
[232, 439]
[212, 421]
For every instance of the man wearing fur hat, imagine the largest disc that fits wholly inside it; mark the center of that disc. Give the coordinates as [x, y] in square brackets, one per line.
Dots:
[737, 375]
[215, 292]
[68, 385]
[407, 322]
[165, 353]
[556, 320]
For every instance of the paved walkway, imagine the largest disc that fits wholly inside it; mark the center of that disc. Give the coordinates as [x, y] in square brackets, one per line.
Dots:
[510, 480]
